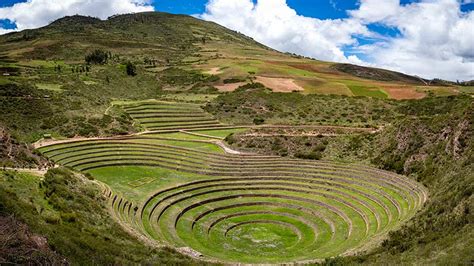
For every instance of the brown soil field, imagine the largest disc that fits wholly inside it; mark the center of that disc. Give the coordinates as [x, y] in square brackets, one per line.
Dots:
[403, 93]
[280, 84]
[230, 86]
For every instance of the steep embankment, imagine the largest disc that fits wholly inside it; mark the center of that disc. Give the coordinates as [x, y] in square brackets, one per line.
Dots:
[68, 215]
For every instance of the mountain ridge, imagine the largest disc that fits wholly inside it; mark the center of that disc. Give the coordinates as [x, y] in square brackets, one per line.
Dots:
[82, 24]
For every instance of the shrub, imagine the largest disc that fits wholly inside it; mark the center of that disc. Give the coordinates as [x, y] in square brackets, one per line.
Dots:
[99, 57]
[320, 147]
[233, 80]
[230, 139]
[310, 156]
[258, 120]
[131, 69]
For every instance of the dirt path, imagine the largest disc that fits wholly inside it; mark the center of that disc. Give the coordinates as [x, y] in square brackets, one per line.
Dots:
[34, 171]
[43, 142]
[108, 109]
[290, 135]
[226, 148]
[46, 142]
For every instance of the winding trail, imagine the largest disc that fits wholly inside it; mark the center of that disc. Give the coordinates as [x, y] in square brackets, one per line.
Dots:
[34, 171]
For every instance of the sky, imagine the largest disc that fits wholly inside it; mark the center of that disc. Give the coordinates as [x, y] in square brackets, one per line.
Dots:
[428, 38]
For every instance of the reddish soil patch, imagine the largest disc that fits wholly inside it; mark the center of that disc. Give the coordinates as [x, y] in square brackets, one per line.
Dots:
[280, 84]
[403, 93]
[230, 86]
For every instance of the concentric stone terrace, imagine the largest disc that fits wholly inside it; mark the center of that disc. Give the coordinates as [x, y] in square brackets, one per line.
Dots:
[250, 208]
[159, 116]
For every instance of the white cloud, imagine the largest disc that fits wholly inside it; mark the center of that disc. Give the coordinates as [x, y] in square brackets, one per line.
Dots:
[274, 23]
[376, 10]
[436, 39]
[4, 31]
[37, 13]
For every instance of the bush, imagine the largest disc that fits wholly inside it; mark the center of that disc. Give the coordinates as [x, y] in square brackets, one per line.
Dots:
[131, 69]
[98, 57]
[258, 120]
[309, 156]
[230, 139]
[233, 80]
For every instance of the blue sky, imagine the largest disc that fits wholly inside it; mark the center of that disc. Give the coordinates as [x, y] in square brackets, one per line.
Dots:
[429, 38]
[323, 9]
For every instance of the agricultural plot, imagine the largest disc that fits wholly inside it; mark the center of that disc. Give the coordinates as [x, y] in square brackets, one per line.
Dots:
[241, 207]
[169, 116]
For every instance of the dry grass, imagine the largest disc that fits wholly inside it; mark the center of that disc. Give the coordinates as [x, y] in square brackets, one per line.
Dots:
[403, 93]
[214, 71]
[280, 84]
[229, 87]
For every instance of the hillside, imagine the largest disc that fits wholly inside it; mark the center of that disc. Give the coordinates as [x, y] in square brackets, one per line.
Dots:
[157, 40]
[153, 138]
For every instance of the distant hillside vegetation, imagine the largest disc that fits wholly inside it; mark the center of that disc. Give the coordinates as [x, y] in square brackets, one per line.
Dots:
[378, 74]
[169, 37]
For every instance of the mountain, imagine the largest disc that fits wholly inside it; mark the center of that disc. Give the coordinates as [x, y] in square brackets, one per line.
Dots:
[101, 118]
[172, 40]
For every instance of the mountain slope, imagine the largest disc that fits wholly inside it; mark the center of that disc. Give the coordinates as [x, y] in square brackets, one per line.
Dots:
[161, 40]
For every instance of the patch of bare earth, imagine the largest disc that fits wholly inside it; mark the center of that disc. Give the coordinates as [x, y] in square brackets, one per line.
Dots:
[403, 93]
[280, 84]
[230, 86]
[214, 71]
[19, 246]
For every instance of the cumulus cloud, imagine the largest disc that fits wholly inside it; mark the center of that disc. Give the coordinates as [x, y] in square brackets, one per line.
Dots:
[376, 10]
[436, 39]
[274, 23]
[37, 13]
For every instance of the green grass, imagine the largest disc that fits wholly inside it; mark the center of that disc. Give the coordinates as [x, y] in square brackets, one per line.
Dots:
[361, 90]
[466, 89]
[72, 215]
[119, 179]
[42, 63]
[49, 87]
[180, 135]
[221, 133]
[264, 204]
[162, 115]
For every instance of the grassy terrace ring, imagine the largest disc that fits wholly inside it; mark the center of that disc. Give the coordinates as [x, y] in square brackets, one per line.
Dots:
[160, 115]
[250, 208]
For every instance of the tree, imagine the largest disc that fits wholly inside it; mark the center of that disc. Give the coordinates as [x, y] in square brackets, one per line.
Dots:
[131, 69]
[258, 120]
[98, 57]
